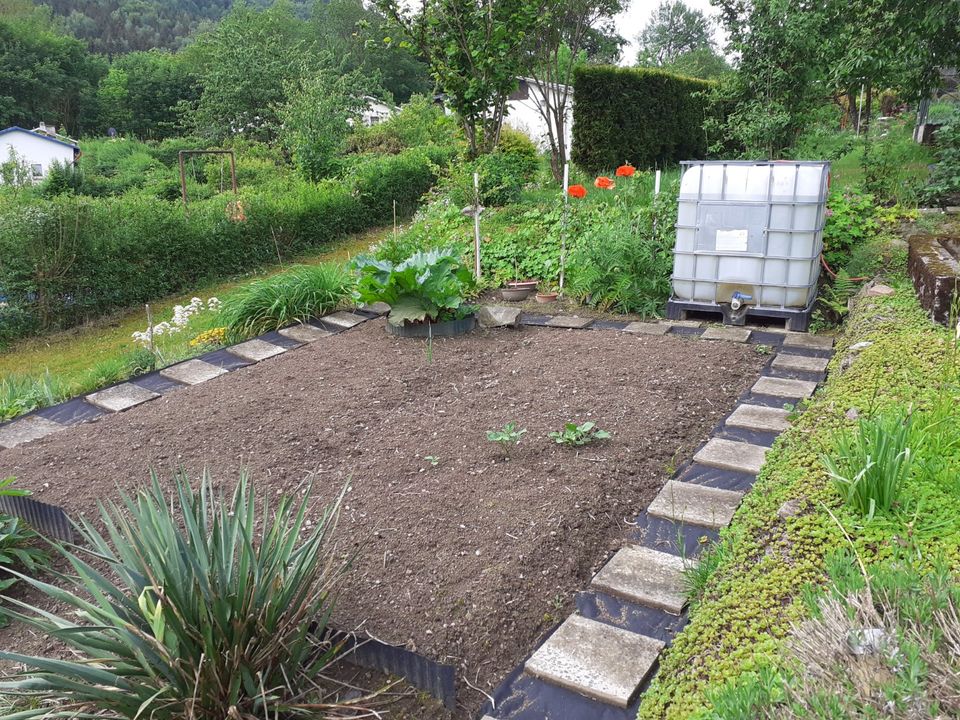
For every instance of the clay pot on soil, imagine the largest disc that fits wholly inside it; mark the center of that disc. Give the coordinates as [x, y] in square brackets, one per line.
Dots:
[446, 328]
[515, 294]
[547, 297]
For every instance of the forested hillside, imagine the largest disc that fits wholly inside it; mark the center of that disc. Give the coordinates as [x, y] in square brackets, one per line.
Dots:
[116, 26]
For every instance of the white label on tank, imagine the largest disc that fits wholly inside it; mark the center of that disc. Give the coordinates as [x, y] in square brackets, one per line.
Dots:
[732, 240]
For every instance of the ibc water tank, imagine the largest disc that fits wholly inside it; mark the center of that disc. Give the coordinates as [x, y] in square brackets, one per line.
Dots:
[750, 232]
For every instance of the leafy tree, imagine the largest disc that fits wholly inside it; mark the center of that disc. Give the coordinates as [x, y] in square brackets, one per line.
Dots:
[113, 100]
[705, 63]
[317, 119]
[555, 48]
[476, 50]
[244, 66]
[673, 31]
[158, 84]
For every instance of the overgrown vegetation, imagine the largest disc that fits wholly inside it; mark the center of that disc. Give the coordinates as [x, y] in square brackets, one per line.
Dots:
[187, 603]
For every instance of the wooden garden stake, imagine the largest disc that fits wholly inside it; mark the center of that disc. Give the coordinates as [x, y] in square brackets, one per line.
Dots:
[153, 350]
[394, 219]
[476, 224]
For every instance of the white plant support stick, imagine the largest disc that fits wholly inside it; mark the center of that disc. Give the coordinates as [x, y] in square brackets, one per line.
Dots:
[656, 184]
[153, 350]
[563, 227]
[863, 89]
[476, 224]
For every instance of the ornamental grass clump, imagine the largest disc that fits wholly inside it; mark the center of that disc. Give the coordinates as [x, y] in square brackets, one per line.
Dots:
[870, 467]
[293, 296]
[188, 605]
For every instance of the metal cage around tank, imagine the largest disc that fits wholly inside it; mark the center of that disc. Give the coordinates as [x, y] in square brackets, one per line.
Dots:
[749, 234]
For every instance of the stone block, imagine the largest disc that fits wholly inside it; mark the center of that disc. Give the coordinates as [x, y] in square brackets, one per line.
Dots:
[808, 341]
[380, 308]
[343, 319]
[759, 417]
[645, 576]
[782, 387]
[695, 504]
[569, 321]
[192, 372]
[801, 363]
[492, 316]
[121, 397]
[594, 659]
[304, 333]
[26, 429]
[731, 334]
[732, 455]
[880, 290]
[644, 328]
[255, 350]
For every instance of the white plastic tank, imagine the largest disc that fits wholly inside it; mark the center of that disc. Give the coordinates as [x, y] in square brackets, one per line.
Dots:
[750, 230]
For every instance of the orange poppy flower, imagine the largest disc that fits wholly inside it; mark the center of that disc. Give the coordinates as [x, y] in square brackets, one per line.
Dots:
[604, 183]
[577, 191]
[626, 170]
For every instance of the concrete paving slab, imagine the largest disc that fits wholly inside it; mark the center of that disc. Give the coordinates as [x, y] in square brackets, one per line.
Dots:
[380, 308]
[594, 659]
[646, 577]
[802, 363]
[782, 387]
[343, 319]
[569, 321]
[730, 334]
[27, 429]
[807, 341]
[758, 417]
[255, 350]
[305, 333]
[695, 504]
[493, 316]
[732, 455]
[121, 397]
[643, 328]
[685, 323]
[192, 372]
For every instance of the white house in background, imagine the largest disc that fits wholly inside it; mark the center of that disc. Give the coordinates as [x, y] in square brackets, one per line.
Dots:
[376, 111]
[38, 149]
[523, 113]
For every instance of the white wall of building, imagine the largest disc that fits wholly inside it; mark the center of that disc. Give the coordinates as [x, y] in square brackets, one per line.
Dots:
[38, 152]
[524, 115]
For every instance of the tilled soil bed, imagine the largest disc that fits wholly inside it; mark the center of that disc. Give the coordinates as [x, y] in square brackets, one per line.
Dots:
[467, 561]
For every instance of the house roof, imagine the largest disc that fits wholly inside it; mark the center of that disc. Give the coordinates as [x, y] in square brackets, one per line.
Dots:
[15, 128]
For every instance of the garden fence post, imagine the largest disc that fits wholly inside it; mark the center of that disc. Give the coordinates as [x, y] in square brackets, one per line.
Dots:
[476, 224]
[563, 226]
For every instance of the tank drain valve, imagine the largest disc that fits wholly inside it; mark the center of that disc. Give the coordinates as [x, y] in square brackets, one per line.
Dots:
[738, 299]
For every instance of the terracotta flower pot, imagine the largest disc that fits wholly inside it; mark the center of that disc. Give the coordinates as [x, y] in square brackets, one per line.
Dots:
[512, 294]
[546, 297]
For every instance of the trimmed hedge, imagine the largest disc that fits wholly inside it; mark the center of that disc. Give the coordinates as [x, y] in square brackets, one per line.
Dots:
[648, 118]
[67, 259]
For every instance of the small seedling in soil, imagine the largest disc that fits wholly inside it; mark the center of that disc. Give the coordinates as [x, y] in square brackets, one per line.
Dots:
[762, 349]
[577, 435]
[507, 436]
[432, 459]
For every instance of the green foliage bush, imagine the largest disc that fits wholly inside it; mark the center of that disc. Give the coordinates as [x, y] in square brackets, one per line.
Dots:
[69, 258]
[419, 122]
[426, 287]
[292, 296]
[645, 117]
[195, 604]
[944, 186]
[851, 222]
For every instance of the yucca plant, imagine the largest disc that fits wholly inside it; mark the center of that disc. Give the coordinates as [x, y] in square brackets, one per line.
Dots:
[186, 607]
[292, 296]
[869, 467]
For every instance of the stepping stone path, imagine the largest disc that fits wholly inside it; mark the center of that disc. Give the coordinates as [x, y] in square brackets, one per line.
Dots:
[344, 319]
[192, 372]
[645, 576]
[643, 328]
[807, 342]
[692, 504]
[121, 397]
[800, 363]
[730, 455]
[305, 333]
[784, 387]
[760, 418]
[255, 350]
[597, 660]
[731, 334]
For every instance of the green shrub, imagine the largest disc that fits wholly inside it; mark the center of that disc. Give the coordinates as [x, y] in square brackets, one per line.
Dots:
[944, 186]
[870, 467]
[194, 606]
[645, 117]
[19, 549]
[21, 394]
[292, 296]
[426, 287]
[851, 222]
[419, 122]
[382, 179]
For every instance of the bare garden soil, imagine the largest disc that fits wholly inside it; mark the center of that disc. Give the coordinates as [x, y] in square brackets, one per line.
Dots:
[467, 561]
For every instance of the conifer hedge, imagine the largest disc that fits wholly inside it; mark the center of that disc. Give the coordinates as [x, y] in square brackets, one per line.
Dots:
[648, 118]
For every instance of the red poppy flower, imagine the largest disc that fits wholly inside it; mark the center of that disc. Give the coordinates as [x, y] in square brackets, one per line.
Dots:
[604, 183]
[577, 191]
[626, 170]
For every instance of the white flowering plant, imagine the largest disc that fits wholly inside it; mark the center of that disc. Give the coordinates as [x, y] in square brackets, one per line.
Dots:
[153, 338]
